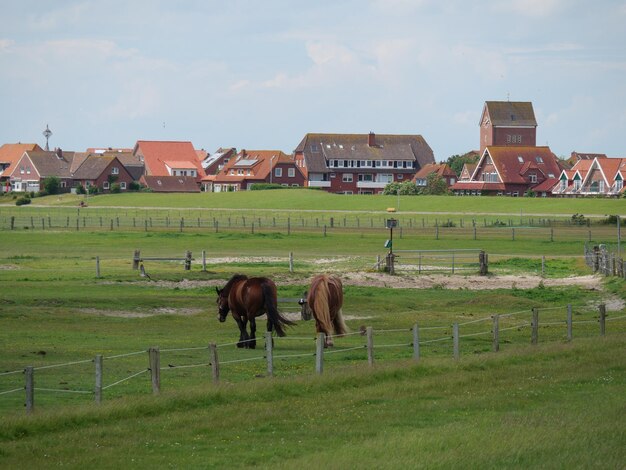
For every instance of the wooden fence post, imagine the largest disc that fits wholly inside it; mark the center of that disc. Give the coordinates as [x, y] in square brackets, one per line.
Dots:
[136, 258]
[203, 260]
[155, 369]
[483, 260]
[97, 267]
[496, 333]
[602, 309]
[534, 335]
[98, 389]
[29, 374]
[569, 322]
[215, 365]
[12, 222]
[319, 353]
[291, 261]
[455, 341]
[269, 353]
[416, 342]
[543, 265]
[187, 260]
[370, 345]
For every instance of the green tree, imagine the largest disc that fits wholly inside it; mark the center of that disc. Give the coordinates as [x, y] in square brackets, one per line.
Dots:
[435, 185]
[51, 185]
[406, 188]
[456, 162]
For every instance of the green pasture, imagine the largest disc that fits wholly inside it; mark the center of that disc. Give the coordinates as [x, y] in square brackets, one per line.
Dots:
[311, 200]
[554, 404]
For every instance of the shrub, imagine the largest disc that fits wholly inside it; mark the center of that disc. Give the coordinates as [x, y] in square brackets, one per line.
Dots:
[22, 200]
[134, 186]
[51, 185]
[93, 189]
[264, 186]
[116, 188]
[80, 189]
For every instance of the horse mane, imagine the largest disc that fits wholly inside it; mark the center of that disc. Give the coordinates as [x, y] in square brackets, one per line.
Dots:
[233, 280]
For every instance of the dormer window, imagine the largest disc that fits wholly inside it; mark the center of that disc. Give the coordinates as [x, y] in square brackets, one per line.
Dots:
[520, 159]
[538, 159]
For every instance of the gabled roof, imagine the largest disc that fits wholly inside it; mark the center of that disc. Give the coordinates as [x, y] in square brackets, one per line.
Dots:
[513, 162]
[11, 153]
[509, 113]
[318, 148]
[258, 161]
[171, 184]
[92, 166]
[156, 153]
[51, 163]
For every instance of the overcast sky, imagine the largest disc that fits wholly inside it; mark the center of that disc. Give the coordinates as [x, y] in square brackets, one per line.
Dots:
[261, 74]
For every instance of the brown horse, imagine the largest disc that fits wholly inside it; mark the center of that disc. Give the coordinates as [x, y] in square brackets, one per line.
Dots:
[324, 300]
[249, 298]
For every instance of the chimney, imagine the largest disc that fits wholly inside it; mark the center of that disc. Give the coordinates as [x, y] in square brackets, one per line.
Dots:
[243, 153]
[371, 139]
[59, 152]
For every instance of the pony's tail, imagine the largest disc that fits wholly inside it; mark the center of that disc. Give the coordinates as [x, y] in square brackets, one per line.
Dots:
[340, 326]
[273, 315]
[322, 309]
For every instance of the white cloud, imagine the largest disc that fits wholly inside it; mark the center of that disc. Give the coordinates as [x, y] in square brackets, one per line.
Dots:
[5, 44]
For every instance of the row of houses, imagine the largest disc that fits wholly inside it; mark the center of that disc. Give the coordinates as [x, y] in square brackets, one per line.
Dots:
[509, 164]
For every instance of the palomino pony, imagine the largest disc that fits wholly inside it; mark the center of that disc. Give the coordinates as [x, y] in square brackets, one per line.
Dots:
[249, 298]
[324, 300]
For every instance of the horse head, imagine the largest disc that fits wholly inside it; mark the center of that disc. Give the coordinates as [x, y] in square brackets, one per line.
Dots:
[305, 310]
[222, 304]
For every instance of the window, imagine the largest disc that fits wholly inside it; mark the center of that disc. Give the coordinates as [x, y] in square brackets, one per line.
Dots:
[291, 172]
[22, 170]
[115, 171]
[520, 159]
[619, 184]
[105, 185]
[400, 176]
[315, 148]
[278, 172]
[347, 178]
[123, 185]
[538, 159]
[366, 177]
[532, 178]
[508, 138]
[332, 175]
[576, 185]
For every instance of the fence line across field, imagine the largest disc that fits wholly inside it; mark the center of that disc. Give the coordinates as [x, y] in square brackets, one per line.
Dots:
[370, 346]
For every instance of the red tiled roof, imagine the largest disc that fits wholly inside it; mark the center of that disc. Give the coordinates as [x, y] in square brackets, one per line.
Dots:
[11, 153]
[477, 186]
[545, 185]
[512, 162]
[170, 184]
[157, 153]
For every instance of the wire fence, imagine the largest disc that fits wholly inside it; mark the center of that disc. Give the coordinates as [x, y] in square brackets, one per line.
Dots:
[292, 356]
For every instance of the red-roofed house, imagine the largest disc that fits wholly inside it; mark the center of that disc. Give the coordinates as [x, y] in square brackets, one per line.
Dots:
[512, 171]
[169, 159]
[360, 163]
[9, 155]
[599, 176]
[443, 170]
[255, 166]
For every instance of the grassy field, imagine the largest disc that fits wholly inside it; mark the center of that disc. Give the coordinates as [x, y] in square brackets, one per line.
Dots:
[554, 405]
[310, 200]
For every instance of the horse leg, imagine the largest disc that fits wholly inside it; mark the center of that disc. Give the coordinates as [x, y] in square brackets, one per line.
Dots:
[252, 342]
[327, 338]
[242, 333]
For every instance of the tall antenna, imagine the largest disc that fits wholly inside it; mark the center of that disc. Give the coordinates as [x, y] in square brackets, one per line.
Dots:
[47, 133]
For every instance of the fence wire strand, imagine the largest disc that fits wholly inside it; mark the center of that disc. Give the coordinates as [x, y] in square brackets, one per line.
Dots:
[125, 379]
[11, 391]
[53, 366]
[125, 355]
[58, 390]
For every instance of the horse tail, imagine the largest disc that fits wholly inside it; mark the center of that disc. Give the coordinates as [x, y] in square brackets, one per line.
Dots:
[340, 326]
[319, 299]
[271, 306]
